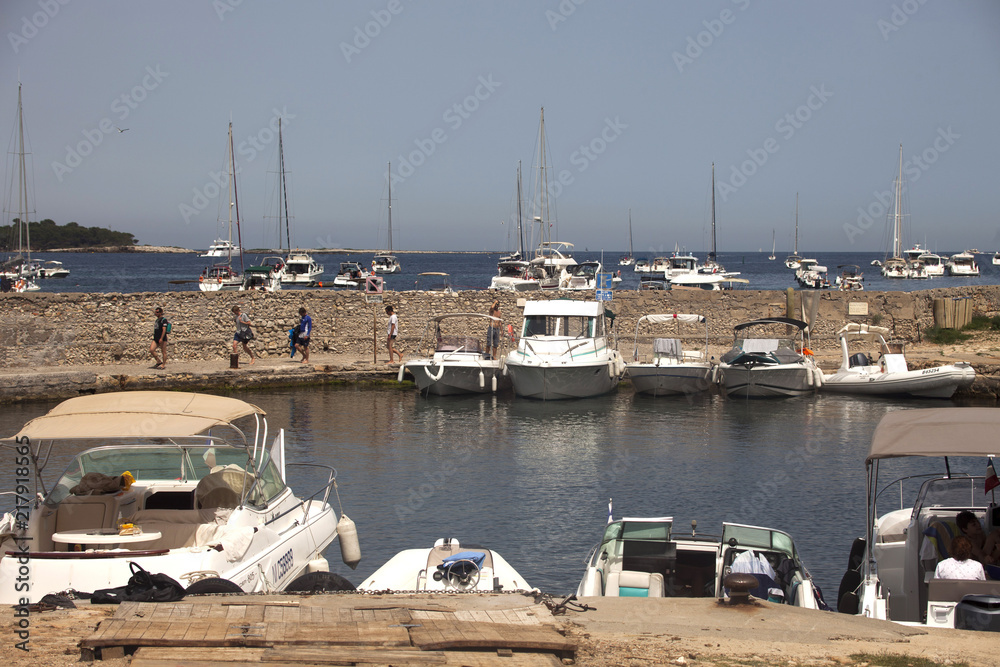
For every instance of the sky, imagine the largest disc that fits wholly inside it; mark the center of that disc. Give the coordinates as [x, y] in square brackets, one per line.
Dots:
[787, 99]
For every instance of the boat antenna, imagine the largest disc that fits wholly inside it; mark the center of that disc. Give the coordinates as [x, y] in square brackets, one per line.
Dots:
[390, 207]
[520, 231]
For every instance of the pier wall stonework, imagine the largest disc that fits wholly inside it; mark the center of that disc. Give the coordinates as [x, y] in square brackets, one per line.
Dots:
[46, 329]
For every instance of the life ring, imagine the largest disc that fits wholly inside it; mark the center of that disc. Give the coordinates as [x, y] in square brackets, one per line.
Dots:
[201, 279]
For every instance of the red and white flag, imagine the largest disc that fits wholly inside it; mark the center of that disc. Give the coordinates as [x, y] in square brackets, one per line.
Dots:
[991, 477]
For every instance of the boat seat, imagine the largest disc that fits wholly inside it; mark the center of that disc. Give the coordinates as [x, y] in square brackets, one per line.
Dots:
[630, 583]
[96, 511]
[182, 528]
[221, 488]
[439, 552]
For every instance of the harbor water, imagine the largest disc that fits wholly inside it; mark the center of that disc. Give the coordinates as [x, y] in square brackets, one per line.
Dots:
[533, 479]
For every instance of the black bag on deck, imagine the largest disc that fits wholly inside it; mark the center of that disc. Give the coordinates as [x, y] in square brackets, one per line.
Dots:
[142, 587]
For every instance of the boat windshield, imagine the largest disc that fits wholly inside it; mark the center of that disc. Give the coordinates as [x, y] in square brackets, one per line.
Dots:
[955, 492]
[758, 538]
[562, 325]
[149, 464]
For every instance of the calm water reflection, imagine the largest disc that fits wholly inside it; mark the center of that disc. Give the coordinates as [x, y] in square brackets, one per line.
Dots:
[532, 480]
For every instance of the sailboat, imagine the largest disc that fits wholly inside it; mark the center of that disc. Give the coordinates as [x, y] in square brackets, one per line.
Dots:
[629, 259]
[386, 262]
[298, 267]
[223, 276]
[17, 270]
[711, 264]
[794, 260]
[771, 256]
[895, 266]
[513, 270]
[552, 261]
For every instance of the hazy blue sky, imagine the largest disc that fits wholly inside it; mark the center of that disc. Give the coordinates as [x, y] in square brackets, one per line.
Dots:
[640, 99]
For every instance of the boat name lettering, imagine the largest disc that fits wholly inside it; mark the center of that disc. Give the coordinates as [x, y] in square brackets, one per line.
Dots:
[281, 566]
[930, 370]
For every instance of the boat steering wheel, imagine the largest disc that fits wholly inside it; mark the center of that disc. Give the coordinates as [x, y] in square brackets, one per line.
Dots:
[462, 574]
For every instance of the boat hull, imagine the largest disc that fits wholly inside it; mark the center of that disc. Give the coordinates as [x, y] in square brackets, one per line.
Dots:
[460, 377]
[669, 380]
[550, 382]
[936, 382]
[768, 381]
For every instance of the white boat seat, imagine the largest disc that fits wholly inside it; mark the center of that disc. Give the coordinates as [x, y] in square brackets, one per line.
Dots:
[182, 528]
[953, 590]
[222, 488]
[96, 511]
[760, 345]
[630, 583]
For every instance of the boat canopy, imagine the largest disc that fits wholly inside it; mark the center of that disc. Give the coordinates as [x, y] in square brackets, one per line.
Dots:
[932, 432]
[674, 317]
[166, 414]
[563, 307]
[799, 324]
[859, 329]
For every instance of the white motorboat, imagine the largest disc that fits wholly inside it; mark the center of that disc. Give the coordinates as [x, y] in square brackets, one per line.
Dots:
[459, 362]
[222, 276]
[850, 279]
[707, 281]
[386, 262]
[179, 483]
[914, 253]
[858, 374]
[52, 269]
[300, 269]
[641, 266]
[812, 274]
[433, 281]
[582, 277]
[222, 248]
[680, 263]
[912, 520]
[563, 352]
[670, 369]
[996, 258]
[448, 566]
[514, 275]
[917, 270]
[962, 264]
[760, 367]
[643, 557]
[552, 264]
[262, 278]
[933, 264]
[793, 260]
[351, 275]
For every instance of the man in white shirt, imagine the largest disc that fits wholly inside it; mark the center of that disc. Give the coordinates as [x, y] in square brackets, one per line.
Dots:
[391, 332]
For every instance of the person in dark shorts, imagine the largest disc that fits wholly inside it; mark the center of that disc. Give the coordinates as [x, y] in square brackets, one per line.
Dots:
[305, 330]
[159, 339]
[390, 335]
[244, 334]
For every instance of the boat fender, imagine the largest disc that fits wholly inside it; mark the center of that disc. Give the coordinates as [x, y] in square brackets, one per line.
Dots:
[819, 377]
[715, 374]
[611, 370]
[494, 382]
[350, 548]
[810, 378]
[402, 369]
[482, 379]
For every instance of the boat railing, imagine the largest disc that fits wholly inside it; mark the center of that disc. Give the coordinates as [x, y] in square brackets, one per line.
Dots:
[331, 482]
[899, 482]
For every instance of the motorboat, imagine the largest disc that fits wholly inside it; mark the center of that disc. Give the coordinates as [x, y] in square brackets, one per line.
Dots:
[933, 264]
[670, 369]
[433, 281]
[643, 557]
[514, 275]
[914, 253]
[299, 268]
[385, 263]
[351, 275]
[962, 264]
[222, 248]
[895, 267]
[779, 366]
[582, 277]
[812, 274]
[889, 374]
[459, 363]
[917, 270]
[912, 520]
[448, 566]
[184, 484]
[641, 266]
[996, 258]
[707, 281]
[262, 278]
[220, 277]
[552, 264]
[52, 269]
[850, 279]
[563, 352]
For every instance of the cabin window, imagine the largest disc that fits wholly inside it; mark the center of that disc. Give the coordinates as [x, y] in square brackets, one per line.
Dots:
[271, 484]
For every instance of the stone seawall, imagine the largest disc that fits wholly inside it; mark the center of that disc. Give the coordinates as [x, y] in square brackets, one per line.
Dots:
[81, 328]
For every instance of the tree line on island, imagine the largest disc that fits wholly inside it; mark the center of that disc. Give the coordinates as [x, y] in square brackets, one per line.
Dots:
[47, 235]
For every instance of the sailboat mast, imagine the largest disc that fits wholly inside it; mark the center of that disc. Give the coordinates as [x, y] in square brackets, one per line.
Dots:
[630, 232]
[235, 201]
[795, 251]
[520, 232]
[283, 191]
[897, 246]
[546, 231]
[390, 207]
[711, 255]
[22, 186]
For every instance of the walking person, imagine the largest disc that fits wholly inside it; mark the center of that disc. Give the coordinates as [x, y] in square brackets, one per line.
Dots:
[493, 330]
[305, 330]
[244, 334]
[160, 329]
[391, 333]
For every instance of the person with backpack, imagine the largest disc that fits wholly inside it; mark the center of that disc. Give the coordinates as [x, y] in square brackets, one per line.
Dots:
[244, 334]
[160, 330]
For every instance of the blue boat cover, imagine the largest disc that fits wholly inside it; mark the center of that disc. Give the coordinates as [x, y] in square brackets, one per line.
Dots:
[476, 557]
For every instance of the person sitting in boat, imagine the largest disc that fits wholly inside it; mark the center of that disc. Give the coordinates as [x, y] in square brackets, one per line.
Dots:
[961, 565]
[985, 548]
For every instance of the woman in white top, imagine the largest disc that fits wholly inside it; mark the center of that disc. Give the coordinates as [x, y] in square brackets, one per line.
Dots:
[960, 565]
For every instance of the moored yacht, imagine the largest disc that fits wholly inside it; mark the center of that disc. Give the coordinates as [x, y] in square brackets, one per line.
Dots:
[351, 275]
[766, 367]
[459, 363]
[933, 264]
[222, 248]
[300, 269]
[563, 352]
[669, 369]
[962, 264]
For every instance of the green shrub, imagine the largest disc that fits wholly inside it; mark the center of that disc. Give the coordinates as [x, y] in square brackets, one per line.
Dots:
[982, 323]
[945, 336]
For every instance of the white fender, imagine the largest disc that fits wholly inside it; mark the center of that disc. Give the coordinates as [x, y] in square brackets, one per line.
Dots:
[715, 374]
[350, 548]
[482, 379]
[494, 382]
[402, 369]
[433, 377]
[810, 378]
[819, 377]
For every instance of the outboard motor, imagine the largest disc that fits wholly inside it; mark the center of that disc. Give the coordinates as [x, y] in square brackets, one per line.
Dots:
[859, 359]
